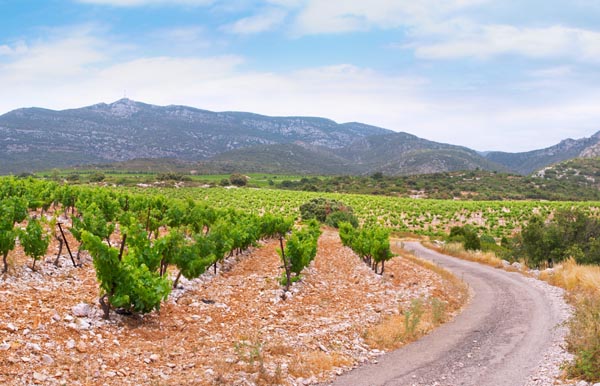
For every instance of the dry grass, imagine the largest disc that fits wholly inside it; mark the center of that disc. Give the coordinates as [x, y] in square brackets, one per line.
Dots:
[457, 250]
[572, 276]
[397, 330]
[583, 285]
[316, 362]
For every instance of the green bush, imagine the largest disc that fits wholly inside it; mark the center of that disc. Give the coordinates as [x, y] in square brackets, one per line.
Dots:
[467, 235]
[335, 218]
[238, 179]
[328, 211]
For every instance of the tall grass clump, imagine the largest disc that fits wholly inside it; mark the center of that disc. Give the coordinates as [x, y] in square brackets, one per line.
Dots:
[457, 249]
[583, 284]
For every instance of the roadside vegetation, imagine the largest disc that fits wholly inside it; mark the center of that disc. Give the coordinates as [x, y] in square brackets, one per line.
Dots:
[564, 252]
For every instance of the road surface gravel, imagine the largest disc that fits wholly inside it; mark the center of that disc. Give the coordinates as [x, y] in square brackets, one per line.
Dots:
[510, 334]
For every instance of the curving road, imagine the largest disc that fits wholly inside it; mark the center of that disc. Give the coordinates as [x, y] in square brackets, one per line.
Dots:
[498, 339]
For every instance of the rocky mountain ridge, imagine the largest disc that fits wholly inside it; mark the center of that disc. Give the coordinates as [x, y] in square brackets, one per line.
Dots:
[35, 139]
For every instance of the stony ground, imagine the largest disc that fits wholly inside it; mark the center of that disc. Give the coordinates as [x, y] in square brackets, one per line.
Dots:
[232, 328]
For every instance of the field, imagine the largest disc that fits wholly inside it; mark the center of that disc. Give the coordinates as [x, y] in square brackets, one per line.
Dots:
[403, 215]
[226, 329]
[229, 325]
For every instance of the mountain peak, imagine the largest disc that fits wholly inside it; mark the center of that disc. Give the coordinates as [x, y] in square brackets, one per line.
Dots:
[124, 100]
[124, 108]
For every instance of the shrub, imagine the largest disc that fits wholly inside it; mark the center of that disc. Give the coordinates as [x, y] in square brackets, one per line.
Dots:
[238, 179]
[97, 177]
[331, 212]
[336, 218]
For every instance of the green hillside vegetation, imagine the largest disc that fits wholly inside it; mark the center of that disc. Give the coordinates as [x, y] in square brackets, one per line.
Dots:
[584, 172]
[465, 185]
[574, 180]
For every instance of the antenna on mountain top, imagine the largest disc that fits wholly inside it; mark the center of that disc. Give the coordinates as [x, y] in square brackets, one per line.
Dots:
[124, 94]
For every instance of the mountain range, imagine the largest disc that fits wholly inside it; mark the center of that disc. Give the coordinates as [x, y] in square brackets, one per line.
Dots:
[39, 139]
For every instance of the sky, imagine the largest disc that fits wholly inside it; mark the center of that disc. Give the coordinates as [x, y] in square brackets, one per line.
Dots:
[510, 75]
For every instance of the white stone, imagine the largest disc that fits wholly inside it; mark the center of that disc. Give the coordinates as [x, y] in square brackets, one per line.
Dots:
[47, 359]
[71, 343]
[83, 325]
[11, 327]
[81, 310]
[39, 377]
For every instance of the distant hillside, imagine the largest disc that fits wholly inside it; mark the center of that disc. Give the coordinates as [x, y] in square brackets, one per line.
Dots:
[404, 154]
[584, 172]
[33, 139]
[126, 130]
[528, 162]
[392, 154]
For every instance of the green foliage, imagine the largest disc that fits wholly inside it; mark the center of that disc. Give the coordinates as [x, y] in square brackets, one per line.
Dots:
[300, 249]
[338, 217]
[467, 235]
[238, 180]
[193, 259]
[34, 240]
[92, 220]
[371, 243]
[412, 318]
[329, 211]
[127, 283]
[466, 185]
[8, 233]
[171, 176]
[570, 233]
[97, 177]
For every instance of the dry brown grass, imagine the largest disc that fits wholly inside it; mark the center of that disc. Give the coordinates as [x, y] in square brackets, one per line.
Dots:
[572, 276]
[316, 362]
[397, 330]
[457, 250]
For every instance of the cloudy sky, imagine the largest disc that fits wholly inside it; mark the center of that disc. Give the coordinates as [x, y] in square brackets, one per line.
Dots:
[508, 75]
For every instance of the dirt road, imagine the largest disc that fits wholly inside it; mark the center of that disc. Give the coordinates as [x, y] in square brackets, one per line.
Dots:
[499, 339]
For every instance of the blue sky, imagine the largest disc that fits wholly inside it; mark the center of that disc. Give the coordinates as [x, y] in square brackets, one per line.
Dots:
[492, 75]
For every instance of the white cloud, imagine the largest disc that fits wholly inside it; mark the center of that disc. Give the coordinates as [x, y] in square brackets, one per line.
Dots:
[466, 40]
[336, 16]
[553, 72]
[260, 22]
[15, 49]
[137, 3]
[81, 70]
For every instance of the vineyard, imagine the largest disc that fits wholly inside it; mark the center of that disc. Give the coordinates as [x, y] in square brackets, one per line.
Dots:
[427, 217]
[102, 284]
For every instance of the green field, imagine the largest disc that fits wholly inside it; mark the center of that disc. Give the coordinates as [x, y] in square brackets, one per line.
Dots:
[422, 216]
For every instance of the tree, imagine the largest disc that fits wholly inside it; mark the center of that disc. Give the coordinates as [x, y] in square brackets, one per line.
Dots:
[238, 179]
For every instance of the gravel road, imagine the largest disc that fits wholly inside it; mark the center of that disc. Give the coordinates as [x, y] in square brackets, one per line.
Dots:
[509, 334]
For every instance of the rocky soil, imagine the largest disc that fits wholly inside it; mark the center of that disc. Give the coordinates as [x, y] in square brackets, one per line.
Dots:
[232, 328]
